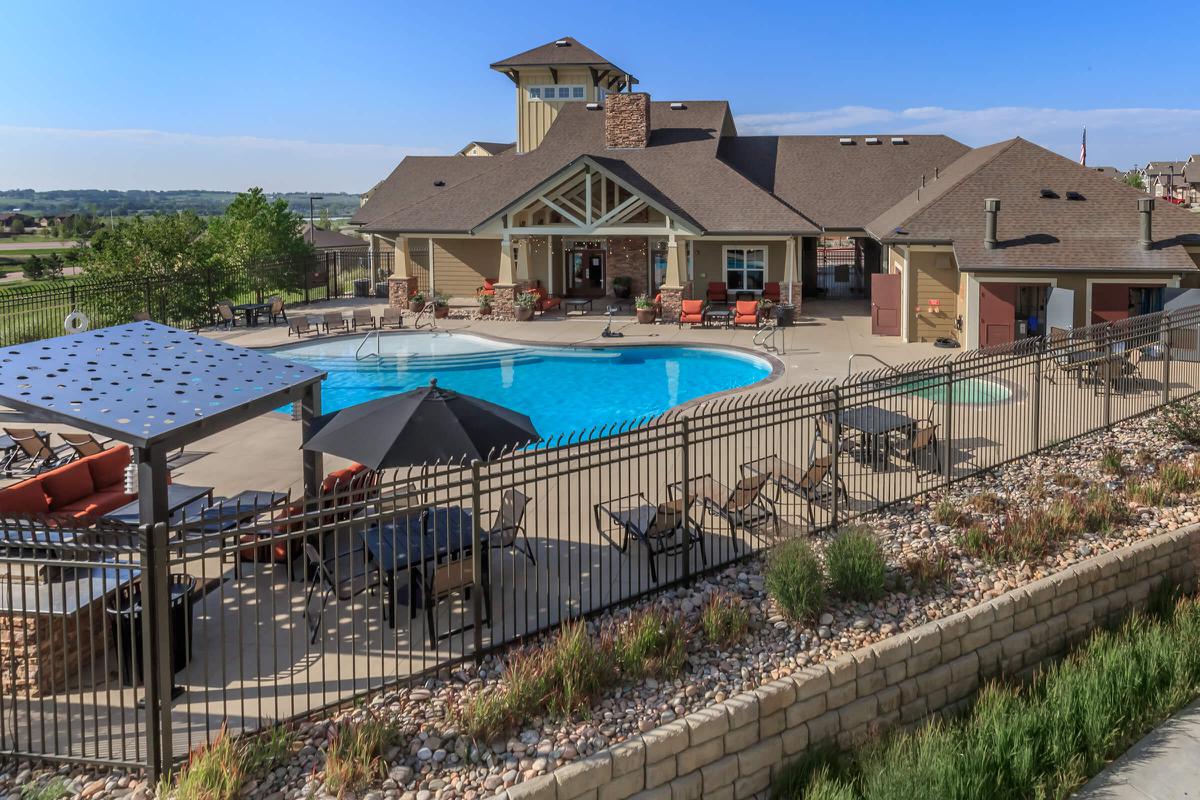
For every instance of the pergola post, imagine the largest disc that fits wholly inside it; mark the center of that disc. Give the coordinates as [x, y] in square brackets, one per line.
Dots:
[504, 301]
[157, 668]
[790, 268]
[675, 281]
[310, 409]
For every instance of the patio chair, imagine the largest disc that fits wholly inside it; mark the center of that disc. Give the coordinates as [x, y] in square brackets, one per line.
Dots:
[544, 301]
[141, 316]
[746, 312]
[391, 316]
[275, 309]
[717, 292]
[488, 288]
[744, 505]
[691, 312]
[299, 326]
[656, 527]
[362, 316]
[510, 523]
[337, 583]
[920, 444]
[227, 317]
[34, 451]
[455, 575]
[84, 444]
[771, 291]
[811, 485]
[334, 319]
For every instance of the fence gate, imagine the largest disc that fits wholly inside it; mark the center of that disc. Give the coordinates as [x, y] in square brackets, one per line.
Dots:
[839, 272]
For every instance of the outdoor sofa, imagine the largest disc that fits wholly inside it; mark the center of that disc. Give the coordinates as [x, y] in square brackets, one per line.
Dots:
[81, 491]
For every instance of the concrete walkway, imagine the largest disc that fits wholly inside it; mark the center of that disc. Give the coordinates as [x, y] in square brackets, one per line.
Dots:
[1164, 765]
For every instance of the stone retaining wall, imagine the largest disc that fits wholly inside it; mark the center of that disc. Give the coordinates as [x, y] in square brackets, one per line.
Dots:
[734, 749]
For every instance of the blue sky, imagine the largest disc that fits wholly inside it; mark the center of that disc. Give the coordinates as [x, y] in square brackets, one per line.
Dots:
[301, 96]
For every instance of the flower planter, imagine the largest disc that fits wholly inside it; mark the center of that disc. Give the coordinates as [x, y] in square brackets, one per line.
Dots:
[645, 316]
[441, 312]
[485, 311]
[524, 314]
[415, 306]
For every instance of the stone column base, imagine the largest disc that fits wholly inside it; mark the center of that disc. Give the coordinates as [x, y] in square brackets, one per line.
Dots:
[399, 290]
[672, 302]
[504, 302]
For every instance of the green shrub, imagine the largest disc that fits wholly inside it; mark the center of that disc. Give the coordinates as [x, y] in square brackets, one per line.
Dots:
[1043, 741]
[930, 571]
[1175, 477]
[976, 541]
[354, 759]
[794, 579]
[55, 788]
[724, 619]
[579, 669]
[856, 564]
[1110, 462]
[1181, 420]
[212, 772]
[1068, 480]
[947, 513]
[1150, 493]
[987, 503]
[652, 642]
[1103, 510]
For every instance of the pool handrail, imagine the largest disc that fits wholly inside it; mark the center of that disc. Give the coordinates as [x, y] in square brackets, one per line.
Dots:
[358, 351]
[850, 364]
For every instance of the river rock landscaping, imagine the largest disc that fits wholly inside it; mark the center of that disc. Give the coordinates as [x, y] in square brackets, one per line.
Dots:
[945, 550]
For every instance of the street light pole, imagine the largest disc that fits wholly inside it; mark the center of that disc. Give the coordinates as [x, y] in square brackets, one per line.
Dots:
[312, 234]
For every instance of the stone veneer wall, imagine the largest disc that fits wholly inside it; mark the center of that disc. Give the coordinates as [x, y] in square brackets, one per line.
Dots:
[629, 258]
[735, 749]
[627, 120]
[41, 654]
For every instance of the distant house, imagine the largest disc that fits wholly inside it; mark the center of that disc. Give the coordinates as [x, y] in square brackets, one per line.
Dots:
[1164, 179]
[1191, 179]
[9, 218]
[486, 148]
[1110, 172]
[322, 239]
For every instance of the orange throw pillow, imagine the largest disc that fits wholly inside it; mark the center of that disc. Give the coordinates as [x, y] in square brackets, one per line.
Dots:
[67, 484]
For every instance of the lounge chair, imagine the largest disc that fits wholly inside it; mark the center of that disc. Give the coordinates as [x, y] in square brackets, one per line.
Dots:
[744, 505]
[362, 316]
[663, 528]
[84, 444]
[510, 523]
[275, 309]
[299, 326]
[920, 444]
[343, 583]
[771, 291]
[334, 319]
[227, 317]
[746, 312]
[391, 316]
[811, 485]
[544, 301]
[691, 312]
[34, 452]
[717, 292]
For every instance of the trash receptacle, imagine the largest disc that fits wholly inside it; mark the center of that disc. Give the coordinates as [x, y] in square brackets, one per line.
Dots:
[785, 315]
[381, 290]
[362, 287]
[125, 614]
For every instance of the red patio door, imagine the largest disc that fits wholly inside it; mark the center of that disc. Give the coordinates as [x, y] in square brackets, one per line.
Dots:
[885, 305]
[997, 313]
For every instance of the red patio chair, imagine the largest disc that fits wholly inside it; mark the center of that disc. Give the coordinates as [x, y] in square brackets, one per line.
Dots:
[691, 312]
[717, 293]
[746, 313]
[771, 291]
[489, 287]
[545, 302]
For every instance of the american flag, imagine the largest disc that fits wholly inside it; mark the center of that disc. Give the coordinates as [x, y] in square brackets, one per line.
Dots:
[1083, 149]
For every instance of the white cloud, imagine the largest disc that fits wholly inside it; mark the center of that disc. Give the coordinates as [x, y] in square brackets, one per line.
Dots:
[58, 158]
[1120, 137]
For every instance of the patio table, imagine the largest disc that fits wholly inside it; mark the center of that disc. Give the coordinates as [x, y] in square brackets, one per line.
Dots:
[578, 303]
[412, 542]
[721, 316]
[182, 501]
[875, 424]
[251, 310]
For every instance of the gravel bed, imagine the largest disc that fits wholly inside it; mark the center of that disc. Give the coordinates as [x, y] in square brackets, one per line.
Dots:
[434, 761]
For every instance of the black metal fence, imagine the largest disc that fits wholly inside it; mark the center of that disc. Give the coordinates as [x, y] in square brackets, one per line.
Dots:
[840, 272]
[39, 312]
[262, 618]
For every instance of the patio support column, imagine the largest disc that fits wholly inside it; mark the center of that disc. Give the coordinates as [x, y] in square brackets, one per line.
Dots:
[789, 263]
[675, 281]
[504, 302]
[310, 409]
[549, 263]
[521, 260]
[157, 667]
[402, 283]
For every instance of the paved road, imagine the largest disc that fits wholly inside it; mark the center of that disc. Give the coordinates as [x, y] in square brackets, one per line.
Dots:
[1165, 765]
[39, 245]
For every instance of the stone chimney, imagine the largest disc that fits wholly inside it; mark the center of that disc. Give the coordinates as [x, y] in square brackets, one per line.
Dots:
[991, 208]
[626, 120]
[1146, 215]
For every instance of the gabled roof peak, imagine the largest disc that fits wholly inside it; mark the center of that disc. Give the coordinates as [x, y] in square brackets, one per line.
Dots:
[566, 51]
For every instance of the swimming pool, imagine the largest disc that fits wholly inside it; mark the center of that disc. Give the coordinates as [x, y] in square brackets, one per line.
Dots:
[971, 391]
[562, 389]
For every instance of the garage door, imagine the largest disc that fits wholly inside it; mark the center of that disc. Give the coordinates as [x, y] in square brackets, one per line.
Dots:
[997, 313]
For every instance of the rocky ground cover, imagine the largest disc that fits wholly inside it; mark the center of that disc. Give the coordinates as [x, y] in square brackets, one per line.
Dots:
[1050, 510]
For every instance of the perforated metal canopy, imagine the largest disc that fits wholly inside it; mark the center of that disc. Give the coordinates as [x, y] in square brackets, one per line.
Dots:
[145, 383]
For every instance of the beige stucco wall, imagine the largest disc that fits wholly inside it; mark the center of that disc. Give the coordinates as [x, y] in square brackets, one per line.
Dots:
[460, 265]
[534, 117]
[708, 259]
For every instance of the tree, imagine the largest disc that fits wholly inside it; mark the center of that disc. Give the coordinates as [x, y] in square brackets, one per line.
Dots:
[261, 239]
[325, 222]
[1134, 178]
[35, 268]
[17, 226]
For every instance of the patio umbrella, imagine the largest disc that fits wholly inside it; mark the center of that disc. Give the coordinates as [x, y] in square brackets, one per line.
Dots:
[419, 426]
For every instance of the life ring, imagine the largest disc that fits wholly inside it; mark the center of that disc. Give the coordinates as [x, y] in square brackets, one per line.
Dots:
[76, 322]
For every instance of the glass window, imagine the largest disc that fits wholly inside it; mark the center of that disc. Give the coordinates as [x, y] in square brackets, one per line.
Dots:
[577, 92]
[535, 91]
[745, 268]
[564, 92]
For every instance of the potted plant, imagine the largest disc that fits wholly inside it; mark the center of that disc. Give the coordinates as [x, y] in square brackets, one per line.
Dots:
[526, 302]
[441, 306]
[622, 287]
[416, 301]
[485, 304]
[645, 310]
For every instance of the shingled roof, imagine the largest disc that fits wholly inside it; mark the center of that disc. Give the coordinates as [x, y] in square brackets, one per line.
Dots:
[1099, 230]
[563, 52]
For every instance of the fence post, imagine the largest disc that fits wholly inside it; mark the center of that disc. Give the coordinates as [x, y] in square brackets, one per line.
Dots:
[833, 469]
[157, 668]
[478, 546]
[307, 281]
[1165, 345]
[685, 469]
[1107, 377]
[149, 304]
[1036, 405]
[948, 425]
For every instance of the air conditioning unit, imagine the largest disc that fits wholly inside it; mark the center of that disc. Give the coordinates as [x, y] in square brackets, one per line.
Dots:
[678, 106]
[899, 140]
[872, 140]
[845, 140]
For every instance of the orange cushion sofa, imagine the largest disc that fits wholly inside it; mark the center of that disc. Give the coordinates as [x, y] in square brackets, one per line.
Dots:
[82, 491]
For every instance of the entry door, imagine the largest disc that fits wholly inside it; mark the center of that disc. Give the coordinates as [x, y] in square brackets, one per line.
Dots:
[585, 273]
[885, 304]
[997, 313]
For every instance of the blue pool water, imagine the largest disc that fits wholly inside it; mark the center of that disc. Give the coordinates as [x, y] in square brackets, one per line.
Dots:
[561, 389]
